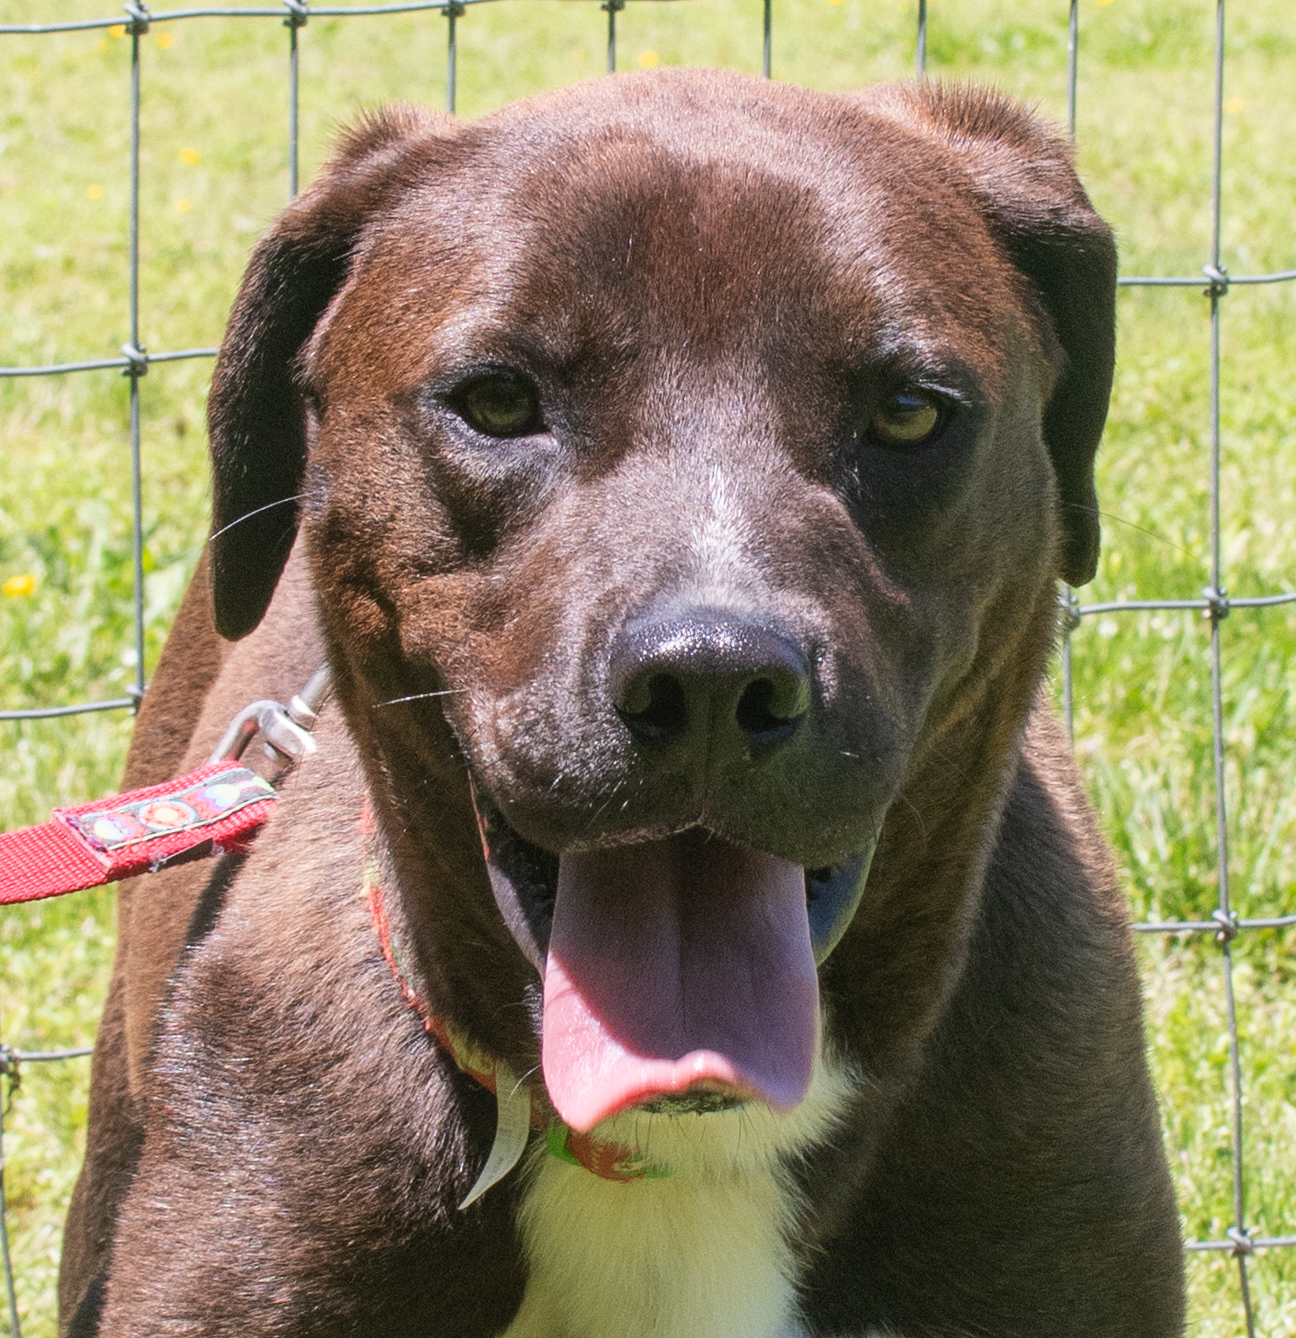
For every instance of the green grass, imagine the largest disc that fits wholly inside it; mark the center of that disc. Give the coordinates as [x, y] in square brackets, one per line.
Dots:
[214, 173]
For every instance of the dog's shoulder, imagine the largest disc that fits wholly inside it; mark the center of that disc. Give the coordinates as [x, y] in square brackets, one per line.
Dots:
[292, 1082]
[1050, 852]
[1033, 1091]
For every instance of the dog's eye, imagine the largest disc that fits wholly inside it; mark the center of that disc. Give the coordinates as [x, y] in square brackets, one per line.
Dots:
[907, 419]
[499, 406]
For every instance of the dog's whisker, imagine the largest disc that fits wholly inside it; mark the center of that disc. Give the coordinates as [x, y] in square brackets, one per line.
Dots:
[269, 506]
[419, 696]
[917, 815]
[616, 789]
[1151, 534]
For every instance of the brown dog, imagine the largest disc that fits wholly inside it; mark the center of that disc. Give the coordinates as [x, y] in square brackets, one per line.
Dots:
[684, 465]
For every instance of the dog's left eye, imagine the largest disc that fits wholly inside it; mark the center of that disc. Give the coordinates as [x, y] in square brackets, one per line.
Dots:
[907, 419]
[499, 406]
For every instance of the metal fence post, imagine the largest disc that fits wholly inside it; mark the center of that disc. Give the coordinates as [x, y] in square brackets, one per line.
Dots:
[298, 14]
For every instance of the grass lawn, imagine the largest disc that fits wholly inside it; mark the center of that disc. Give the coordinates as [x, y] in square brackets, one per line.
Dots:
[214, 172]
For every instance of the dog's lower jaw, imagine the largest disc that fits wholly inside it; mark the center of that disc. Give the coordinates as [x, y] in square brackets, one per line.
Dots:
[703, 1253]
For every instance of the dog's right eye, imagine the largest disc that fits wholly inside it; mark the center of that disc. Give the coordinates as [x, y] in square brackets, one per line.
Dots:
[907, 419]
[499, 406]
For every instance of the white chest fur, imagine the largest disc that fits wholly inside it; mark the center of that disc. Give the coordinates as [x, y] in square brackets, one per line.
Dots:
[703, 1253]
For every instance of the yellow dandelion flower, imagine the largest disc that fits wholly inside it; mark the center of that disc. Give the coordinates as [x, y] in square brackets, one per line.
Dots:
[165, 38]
[190, 156]
[649, 60]
[16, 586]
[94, 192]
[182, 206]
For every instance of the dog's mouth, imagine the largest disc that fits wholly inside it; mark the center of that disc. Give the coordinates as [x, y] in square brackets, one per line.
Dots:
[679, 973]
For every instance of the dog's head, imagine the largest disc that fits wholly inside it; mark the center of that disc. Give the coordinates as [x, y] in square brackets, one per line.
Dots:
[704, 452]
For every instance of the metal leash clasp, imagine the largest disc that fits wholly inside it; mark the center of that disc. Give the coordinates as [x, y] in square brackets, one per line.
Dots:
[286, 729]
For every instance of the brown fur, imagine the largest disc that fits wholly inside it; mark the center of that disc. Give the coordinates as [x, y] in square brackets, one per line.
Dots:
[710, 279]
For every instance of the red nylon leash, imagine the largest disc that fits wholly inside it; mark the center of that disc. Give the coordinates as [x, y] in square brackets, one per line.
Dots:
[213, 809]
[205, 812]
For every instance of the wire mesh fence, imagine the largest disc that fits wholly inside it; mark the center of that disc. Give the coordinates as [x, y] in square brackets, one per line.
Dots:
[1226, 924]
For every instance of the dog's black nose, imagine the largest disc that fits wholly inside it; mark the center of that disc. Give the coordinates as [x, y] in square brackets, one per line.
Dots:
[719, 682]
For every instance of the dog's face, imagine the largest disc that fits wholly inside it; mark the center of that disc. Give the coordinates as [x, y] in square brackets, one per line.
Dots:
[709, 450]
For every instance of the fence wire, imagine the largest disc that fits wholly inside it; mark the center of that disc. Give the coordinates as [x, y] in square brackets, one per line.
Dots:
[1240, 1241]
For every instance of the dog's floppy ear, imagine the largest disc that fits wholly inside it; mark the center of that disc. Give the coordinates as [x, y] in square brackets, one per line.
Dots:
[1024, 175]
[255, 413]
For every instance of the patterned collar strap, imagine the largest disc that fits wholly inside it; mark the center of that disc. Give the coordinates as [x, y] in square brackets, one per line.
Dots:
[516, 1116]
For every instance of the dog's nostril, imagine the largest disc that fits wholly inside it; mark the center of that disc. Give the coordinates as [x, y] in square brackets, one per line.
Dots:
[760, 713]
[725, 684]
[655, 708]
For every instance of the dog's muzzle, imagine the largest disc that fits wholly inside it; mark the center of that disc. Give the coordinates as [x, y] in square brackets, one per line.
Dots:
[679, 969]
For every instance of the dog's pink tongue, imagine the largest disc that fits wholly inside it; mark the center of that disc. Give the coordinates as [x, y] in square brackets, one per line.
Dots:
[674, 963]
